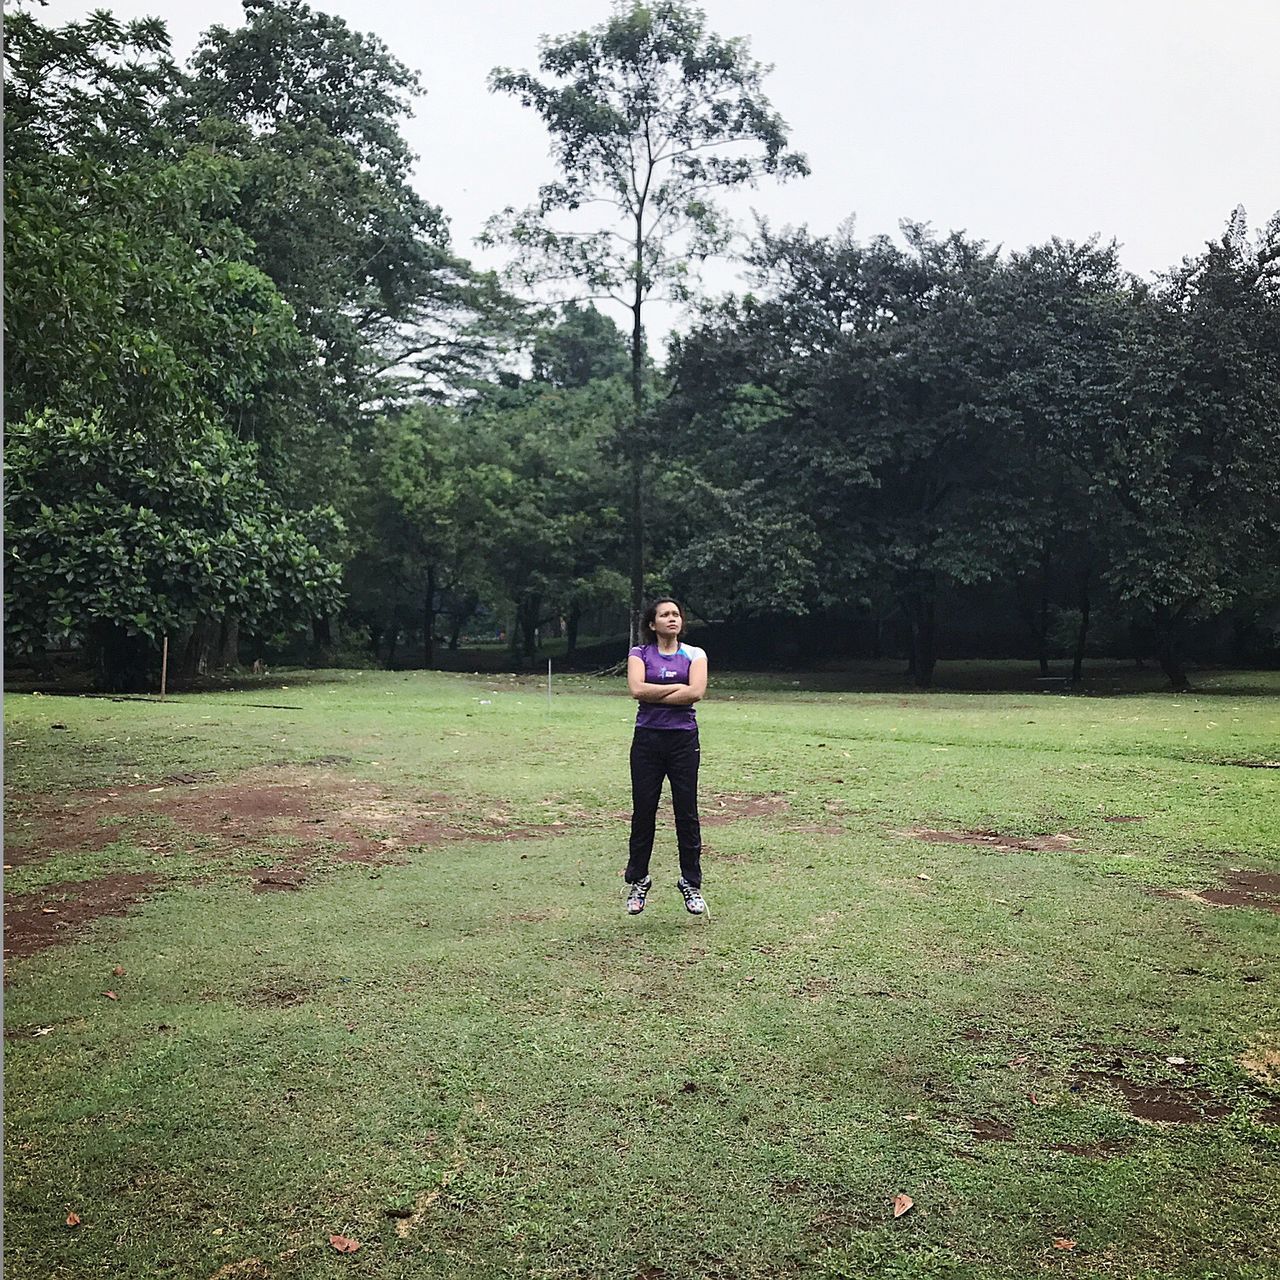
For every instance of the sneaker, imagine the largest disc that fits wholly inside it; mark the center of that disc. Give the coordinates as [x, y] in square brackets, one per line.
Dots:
[694, 902]
[639, 891]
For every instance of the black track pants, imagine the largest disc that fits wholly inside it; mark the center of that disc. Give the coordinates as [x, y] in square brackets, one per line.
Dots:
[658, 754]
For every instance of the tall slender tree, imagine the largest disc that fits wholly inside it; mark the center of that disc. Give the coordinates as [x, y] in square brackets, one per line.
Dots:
[650, 114]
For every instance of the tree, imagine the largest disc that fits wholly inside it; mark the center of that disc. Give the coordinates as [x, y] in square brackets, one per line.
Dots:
[114, 540]
[650, 114]
[1189, 462]
[311, 109]
[437, 484]
[864, 400]
[560, 524]
[583, 347]
[138, 334]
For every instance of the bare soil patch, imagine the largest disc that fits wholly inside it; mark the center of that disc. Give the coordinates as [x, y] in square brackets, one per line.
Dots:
[1176, 1101]
[54, 914]
[1246, 889]
[1263, 1063]
[321, 816]
[1171, 1103]
[730, 807]
[992, 839]
[1257, 889]
[347, 818]
[987, 1130]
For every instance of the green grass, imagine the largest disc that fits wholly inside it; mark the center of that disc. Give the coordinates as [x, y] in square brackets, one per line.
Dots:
[481, 1039]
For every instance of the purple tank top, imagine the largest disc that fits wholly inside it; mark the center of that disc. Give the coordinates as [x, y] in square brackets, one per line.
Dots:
[666, 668]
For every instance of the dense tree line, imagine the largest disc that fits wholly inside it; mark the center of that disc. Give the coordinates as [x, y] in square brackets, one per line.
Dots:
[259, 405]
[882, 423]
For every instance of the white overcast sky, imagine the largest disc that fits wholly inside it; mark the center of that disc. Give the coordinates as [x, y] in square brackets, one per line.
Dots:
[1146, 121]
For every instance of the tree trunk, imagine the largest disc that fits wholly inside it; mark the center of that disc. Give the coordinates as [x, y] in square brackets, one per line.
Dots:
[429, 619]
[571, 629]
[322, 640]
[1169, 651]
[637, 452]
[393, 636]
[529, 611]
[1036, 615]
[229, 642]
[923, 642]
[1042, 632]
[122, 663]
[192, 659]
[1077, 660]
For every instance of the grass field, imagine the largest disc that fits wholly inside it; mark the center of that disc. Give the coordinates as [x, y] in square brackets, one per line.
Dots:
[1012, 955]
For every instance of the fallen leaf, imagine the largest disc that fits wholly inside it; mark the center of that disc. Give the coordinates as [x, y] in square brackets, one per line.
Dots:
[1020, 1060]
[111, 995]
[50, 911]
[922, 876]
[1176, 1062]
[1063, 1243]
[344, 1245]
[42, 1031]
[901, 1203]
[118, 971]
[73, 1219]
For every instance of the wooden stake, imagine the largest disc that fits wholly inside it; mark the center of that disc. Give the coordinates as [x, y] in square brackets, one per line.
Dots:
[548, 684]
[164, 666]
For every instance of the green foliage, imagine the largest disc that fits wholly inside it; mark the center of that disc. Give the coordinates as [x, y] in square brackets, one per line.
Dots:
[311, 109]
[561, 524]
[649, 114]
[883, 422]
[106, 528]
[141, 343]
[584, 346]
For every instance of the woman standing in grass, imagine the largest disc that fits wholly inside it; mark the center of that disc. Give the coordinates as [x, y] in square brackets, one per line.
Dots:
[666, 678]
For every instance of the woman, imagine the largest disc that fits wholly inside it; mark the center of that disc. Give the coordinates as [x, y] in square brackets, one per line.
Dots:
[666, 678]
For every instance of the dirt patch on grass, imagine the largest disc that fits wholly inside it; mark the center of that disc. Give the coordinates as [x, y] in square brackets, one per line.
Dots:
[1171, 1103]
[55, 914]
[730, 807]
[1263, 1064]
[1180, 1100]
[279, 994]
[275, 879]
[1257, 889]
[987, 1130]
[349, 819]
[320, 817]
[1246, 889]
[992, 839]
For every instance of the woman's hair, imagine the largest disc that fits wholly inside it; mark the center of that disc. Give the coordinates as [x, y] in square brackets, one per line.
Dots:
[651, 613]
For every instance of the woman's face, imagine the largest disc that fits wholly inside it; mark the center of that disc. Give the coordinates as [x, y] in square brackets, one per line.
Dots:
[667, 622]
